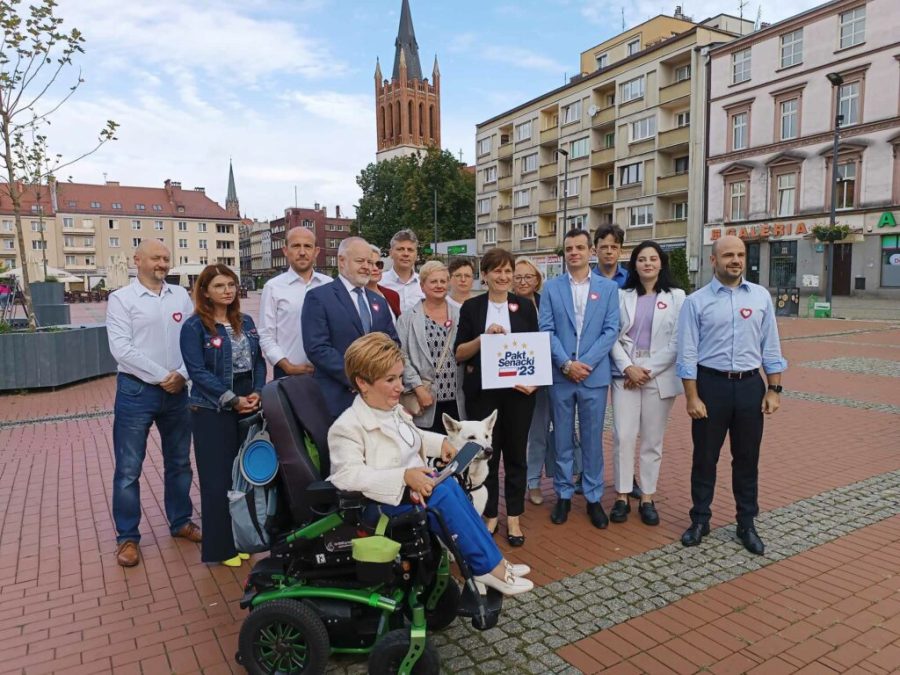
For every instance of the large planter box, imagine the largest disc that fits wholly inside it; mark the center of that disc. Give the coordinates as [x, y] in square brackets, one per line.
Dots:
[51, 358]
[48, 298]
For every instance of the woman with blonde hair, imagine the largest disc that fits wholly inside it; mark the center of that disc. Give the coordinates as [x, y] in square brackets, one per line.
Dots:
[427, 331]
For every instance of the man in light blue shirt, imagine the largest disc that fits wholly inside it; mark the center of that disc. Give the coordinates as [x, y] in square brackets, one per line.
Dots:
[726, 332]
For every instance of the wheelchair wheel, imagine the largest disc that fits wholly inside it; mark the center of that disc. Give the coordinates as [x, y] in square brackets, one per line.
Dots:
[389, 652]
[444, 612]
[283, 637]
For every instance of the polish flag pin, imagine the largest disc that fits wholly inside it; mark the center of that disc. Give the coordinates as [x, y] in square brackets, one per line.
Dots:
[746, 312]
[661, 305]
[177, 317]
[513, 307]
[376, 307]
[595, 296]
[216, 342]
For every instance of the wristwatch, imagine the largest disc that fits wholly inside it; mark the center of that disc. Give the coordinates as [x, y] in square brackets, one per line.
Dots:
[566, 367]
[777, 388]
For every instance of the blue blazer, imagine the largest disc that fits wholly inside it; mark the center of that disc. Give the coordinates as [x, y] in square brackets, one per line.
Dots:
[599, 332]
[330, 323]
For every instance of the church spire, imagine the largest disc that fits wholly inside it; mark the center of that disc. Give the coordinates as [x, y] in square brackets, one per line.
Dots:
[406, 46]
[231, 200]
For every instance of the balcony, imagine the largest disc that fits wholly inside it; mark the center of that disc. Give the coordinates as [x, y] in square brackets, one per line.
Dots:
[638, 233]
[670, 229]
[630, 191]
[505, 151]
[675, 183]
[604, 117]
[548, 206]
[673, 137]
[79, 248]
[601, 157]
[78, 229]
[504, 213]
[548, 242]
[549, 171]
[550, 136]
[505, 183]
[602, 196]
[673, 92]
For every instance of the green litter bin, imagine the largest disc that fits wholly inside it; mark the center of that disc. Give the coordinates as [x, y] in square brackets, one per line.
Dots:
[822, 310]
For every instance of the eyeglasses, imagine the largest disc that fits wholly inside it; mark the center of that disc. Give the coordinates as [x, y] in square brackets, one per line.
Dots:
[379, 264]
[525, 277]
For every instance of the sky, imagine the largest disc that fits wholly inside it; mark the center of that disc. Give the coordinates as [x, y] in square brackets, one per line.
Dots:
[285, 88]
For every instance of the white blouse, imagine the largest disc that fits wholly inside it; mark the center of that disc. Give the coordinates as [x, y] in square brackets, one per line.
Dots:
[498, 313]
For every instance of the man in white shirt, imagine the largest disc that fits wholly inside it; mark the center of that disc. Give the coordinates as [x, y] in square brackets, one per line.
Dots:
[143, 323]
[402, 277]
[282, 303]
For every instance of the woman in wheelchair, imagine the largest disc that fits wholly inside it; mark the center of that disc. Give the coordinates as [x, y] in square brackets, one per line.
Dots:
[377, 450]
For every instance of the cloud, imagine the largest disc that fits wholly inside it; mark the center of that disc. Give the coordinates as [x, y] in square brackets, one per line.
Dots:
[350, 110]
[522, 58]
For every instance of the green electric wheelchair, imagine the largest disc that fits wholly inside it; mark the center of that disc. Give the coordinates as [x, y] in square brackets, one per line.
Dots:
[336, 583]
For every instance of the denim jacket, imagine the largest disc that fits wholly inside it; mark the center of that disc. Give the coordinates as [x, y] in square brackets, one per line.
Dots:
[207, 358]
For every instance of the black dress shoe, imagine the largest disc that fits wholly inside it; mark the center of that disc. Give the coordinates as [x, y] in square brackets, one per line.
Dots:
[750, 539]
[649, 516]
[597, 515]
[560, 513]
[635, 491]
[620, 510]
[694, 534]
[579, 487]
[515, 540]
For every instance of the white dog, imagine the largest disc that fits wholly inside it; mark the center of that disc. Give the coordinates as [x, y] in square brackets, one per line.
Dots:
[460, 433]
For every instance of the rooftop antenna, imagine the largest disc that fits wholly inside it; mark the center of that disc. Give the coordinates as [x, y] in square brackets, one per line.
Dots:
[758, 23]
[104, 177]
[623, 19]
[741, 5]
[460, 155]
[295, 197]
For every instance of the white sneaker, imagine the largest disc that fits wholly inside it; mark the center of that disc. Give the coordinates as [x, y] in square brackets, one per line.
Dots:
[510, 585]
[518, 570]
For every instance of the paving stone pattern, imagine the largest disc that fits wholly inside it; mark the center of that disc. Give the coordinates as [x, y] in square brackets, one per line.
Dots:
[859, 366]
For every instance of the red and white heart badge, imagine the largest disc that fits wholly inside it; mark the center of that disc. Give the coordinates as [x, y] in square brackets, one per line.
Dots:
[448, 323]
[216, 342]
[376, 307]
[746, 312]
[595, 296]
[513, 307]
[177, 316]
[661, 305]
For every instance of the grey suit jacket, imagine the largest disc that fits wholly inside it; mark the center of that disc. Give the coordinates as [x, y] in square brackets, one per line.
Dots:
[419, 365]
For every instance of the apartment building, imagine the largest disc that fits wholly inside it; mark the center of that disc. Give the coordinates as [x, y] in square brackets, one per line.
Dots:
[774, 99]
[86, 228]
[329, 231]
[622, 142]
[260, 248]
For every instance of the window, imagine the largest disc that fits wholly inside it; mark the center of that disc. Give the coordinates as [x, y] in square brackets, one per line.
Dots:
[580, 148]
[683, 73]
[848, 103]
[739, 123]
[609, 140]
[205, 261]
[140, 207]
[572, 112]
[522, 198]
[682, 164]
[786, 194]
[136, 241]
[157, 207]
[113, 224]
[790, 118]
[490, 174]
[602, 60]
[89, 260]
[528, 231]
[69, 242]
[135, 224]
[490, 235]
[610, 180]
[114, 242]
[72, 204]
[70, 260]
[201, 227]
[116, 205]
[643, 129]
[158, 225]
[182, 243]
[632, 89]
[633, 47]
[679, 211]
[224, 244]
[740, 66]
[38, 245]
[631, 174]
[37, 226]
[890, 254]
[484, 206]
[332, 243]
[529, 163]
[572, 188]
[737, 195]
[846, 187]
[183, 260]
[224, 229]
[782, 263]
[8, 225]
[639, 216]
[853, 27]
[95, 205]
[88, 241]
[484, 146]
[682, 119]
[202, 243]
[9, 244]
[182, 226]
[523, 131]
[68, 223]
[792, 48]
[576, 223]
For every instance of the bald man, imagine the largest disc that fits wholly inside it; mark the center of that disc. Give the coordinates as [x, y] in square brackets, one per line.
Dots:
[726, 332]
[143, 323]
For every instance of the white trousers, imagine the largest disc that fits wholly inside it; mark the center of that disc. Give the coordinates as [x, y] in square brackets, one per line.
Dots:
[636, 411]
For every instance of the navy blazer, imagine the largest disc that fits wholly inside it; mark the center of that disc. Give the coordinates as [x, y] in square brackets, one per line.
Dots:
[330, 323]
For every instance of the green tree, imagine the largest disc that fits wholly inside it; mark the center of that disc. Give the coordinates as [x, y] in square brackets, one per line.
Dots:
[34, 51]
[679, 269]
[398, 193]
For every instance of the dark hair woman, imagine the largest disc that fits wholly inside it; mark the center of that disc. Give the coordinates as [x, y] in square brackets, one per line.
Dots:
[220, 348]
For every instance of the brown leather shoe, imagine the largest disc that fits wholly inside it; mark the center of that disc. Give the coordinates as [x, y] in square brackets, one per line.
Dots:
[128, 554]
[189, 531]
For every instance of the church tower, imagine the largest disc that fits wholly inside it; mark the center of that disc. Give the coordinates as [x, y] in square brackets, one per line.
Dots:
[408, 107]
[232, 205]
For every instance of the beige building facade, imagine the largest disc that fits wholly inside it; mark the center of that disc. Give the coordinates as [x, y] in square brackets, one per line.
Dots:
[621, 143]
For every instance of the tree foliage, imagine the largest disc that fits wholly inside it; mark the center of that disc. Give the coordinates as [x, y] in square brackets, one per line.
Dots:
[679, 269]
[35, 49]
[398, 193]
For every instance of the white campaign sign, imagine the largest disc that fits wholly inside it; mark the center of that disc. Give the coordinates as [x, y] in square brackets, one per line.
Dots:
[516, 358]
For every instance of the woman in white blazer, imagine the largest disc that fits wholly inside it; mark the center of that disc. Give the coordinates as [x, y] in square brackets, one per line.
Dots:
[645, 384]
[375, 449]
[427, 332]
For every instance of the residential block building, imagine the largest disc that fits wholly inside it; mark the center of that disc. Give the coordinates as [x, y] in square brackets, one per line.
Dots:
[620, 143]
[774, 99]
[329, 231]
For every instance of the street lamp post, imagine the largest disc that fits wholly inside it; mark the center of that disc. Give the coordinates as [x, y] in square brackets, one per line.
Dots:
[565, 153]
[836, 81]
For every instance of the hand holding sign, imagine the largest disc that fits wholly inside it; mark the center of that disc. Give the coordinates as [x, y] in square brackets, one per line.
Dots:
[516, 359]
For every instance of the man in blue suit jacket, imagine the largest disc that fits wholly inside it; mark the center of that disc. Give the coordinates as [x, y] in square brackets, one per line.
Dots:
[580, 310]
[335, 315]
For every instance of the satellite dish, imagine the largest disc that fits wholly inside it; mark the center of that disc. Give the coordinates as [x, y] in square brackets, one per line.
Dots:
[592, 110]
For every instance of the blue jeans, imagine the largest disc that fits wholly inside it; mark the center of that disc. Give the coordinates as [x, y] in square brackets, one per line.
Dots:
[138, 405]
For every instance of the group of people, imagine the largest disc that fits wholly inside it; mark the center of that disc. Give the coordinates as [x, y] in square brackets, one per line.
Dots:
[392, 352]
